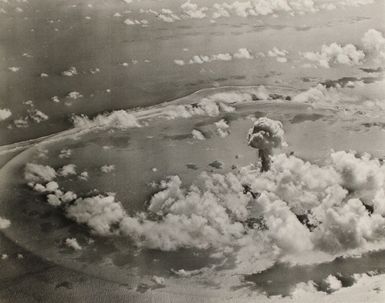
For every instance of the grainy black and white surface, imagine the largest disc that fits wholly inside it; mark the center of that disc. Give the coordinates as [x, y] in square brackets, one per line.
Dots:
[192, 151]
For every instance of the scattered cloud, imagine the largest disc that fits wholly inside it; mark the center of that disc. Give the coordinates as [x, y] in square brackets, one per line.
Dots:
[4, 223]
[37, 173]
[336, 54]
[374, 43]
[117, 119]
[197, 135]
[107, 168]
[5, 114]
[72, 71]
[73, 243]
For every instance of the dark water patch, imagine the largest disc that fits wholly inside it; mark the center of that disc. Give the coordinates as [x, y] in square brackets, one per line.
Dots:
[305, 117]
[345, 80]
[239, 77]
[303, 28]
[281, 278]
[217, 164]
[221, 79]
[192, 166]
[178, 137]
[372, 70]
[374, 124]
[46, 227]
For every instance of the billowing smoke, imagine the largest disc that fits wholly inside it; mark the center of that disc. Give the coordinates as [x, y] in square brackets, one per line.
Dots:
[265, 135]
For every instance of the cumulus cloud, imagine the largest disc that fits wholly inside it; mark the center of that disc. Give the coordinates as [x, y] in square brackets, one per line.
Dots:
[65, 153]
[74, 95]
[279, 54]
[73, 243]
[72, 71]
[38, 173]
[83, 175]
[14, 69]
[215, 104]
[179, 62]
[142, 22]
[374, 43]
[353, 97]
[5, 114]
[117, 119]
[4, 223]
[222, 128]
[241, 53]
[295, 207]
[192, 10]
[167, 15]
[67, 170]
[37, 115]
[197, 135]
[100, 213]
[336, 54]
[107, 168]
[252, 8]
[333, 283]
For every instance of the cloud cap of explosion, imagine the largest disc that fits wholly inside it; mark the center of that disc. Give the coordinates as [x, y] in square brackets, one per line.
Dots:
[265, 135]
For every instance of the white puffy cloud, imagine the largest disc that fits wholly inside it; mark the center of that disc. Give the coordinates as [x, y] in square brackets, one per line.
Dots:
[279, 54]
[222, 128]
[107, 168]
[68, 196]
[74, 95]
[367, 98]
[67, 170]
[142, 22]
[158, 280]
[37, 173]
[252, 8]
[241, 53]
[167, 15]
[72, 71]
[73, 243]
[336, 54]
[117, 119]
[374, 43]
[5, 114]
[192, 10]
[65, 153]
[55, 99]
[37, 115]
[100, 213]
[214, 104]
[197, 135]
[4, 223]
[333, 283]
[84, 175]
[14, 69]
[179, 62]
[53, 200]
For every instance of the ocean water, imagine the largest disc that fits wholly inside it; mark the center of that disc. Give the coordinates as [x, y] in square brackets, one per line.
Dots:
[52, 37]
[132, 68]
